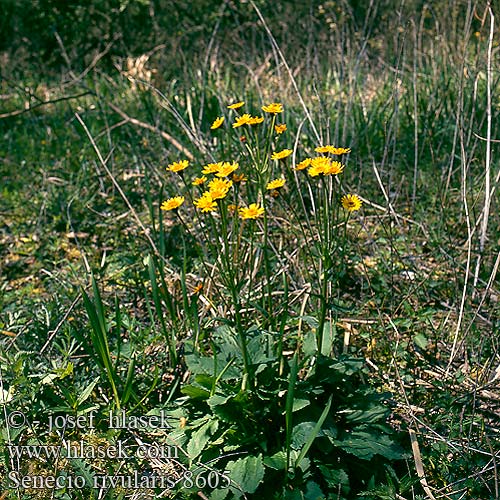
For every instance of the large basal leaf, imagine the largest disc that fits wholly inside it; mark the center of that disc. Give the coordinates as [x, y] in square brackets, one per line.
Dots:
[313, 492]
[195, 392]
[365, 445]
[276, 461]
[210, 366]
[246, 473]
[200, 438]
[335, 478]
[377, 413]
[260, 349]
[301, 433]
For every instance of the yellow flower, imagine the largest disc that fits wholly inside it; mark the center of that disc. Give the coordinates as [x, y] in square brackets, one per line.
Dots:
[276, 184]
[340, 151]
[255, 120]
[219, 183]
[199, 181]
[212, 168]
[252, 212]
[321, 161]
[226, 169]
[218, 193]
[218, 188]
[303, 164]
[206, 203]
[232, 208]
[319, 165]
[274, 107]
[334, 168]
[178, 166]
[242, 120]
[237, 178]
[217, 123]
[351, 202]
[172, 203]
[280, 155]
[315, 171]
[332, 150]
[279, 129]
[236, 105]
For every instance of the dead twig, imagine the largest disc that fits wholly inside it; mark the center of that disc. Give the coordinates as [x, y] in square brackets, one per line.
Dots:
[139, 123]
[18, 112]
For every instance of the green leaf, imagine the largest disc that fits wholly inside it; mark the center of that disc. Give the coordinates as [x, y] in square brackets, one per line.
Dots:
[87, 392]
[375, 414]
[260, 349]
[65, 372]
[195, 392]
[301, 433]
[298, 404]
[310, 346]
[277, 461]
[315, 432]
[335, 478]
[294, 370]
[49, 378]
[219, 494]
[420, 340]
[366, 445]
[84, 470]
[313, 492]
[310, 320]
[293, 495]
[329, 333]
[217, 400]
[200, 438]
[247, 473]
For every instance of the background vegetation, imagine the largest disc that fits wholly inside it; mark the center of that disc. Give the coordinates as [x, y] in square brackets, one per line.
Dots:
[97, 302]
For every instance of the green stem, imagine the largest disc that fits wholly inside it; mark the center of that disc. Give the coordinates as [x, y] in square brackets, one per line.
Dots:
[226, 257]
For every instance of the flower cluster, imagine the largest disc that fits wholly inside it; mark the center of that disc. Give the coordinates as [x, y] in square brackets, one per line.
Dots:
[225, 177]
[247, 119]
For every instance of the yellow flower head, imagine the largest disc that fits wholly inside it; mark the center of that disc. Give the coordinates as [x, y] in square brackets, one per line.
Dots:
[178, 166]
[319, 165]
[227, 169]
[199, 181]
[212, 168]
[172, 203]
[274, 107]
[206, 203]
[218, 188]
[217, 123]
[219, 183]
[280, 155]
[315, 171]
[279, 129]
[332, 150]
[242, 120]
[237, 178]
[255, 120]
[276, 184]
[303, 164]
[232, 208]
[252, 212]
[351, 202]
[334, 168]
[236, 105]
